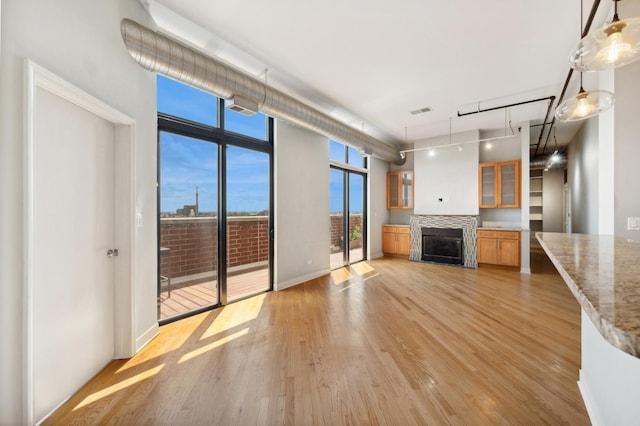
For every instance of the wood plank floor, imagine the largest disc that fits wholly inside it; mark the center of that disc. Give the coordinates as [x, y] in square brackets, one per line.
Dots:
[383, 342]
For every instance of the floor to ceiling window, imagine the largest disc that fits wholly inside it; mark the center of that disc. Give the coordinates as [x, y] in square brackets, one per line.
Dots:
[347, 192]
[215, 202]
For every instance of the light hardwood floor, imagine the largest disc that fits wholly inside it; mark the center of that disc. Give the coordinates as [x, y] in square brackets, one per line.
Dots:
[384, 342]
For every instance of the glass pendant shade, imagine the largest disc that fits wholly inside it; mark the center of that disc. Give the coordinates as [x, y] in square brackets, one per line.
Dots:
[584, 105]
[609, 47]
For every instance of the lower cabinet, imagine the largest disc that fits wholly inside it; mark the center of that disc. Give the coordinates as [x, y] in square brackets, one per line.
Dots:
[395, 240]
[499, 247]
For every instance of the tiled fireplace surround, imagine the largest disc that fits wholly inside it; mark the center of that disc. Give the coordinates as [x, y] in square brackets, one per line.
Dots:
[469, 225]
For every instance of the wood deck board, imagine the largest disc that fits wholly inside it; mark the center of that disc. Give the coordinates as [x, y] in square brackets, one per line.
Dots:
[187, 297]
[403, 343]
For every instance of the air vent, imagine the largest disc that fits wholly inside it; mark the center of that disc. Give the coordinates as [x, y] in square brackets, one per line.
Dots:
[420, 110]
[242, 105]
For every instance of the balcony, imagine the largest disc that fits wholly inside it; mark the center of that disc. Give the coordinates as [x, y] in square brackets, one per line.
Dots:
[189, 261]
[189, 258]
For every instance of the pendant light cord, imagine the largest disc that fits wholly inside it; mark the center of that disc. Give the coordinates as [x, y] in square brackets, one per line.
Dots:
[581, 31]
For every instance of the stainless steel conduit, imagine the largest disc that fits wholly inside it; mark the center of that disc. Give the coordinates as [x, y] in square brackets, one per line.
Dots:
[159, 53]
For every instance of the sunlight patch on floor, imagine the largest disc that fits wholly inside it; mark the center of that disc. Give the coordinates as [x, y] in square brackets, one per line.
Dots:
[235, 315]
[339, 276]
[211, 346]
[119, 386]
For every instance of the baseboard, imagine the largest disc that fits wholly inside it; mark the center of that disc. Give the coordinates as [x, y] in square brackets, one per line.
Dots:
[302, 279]
[147, 336]
[525, 271]
[587, 398]
[376, 255]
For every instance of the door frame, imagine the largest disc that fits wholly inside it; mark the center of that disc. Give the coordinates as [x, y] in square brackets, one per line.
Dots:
[347, 170]
[37, 77]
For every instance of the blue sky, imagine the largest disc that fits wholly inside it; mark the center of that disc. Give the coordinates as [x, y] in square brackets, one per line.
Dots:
[189, 163]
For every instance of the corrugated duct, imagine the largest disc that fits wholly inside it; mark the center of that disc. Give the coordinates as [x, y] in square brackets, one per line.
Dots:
[159, 53]
[544, 161]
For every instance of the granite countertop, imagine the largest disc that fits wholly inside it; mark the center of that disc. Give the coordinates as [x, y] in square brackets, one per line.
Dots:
[603, 273]
[396, 224]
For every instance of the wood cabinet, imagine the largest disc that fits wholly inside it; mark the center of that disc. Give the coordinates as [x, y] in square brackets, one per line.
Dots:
[499, 247]
[499, 185]
[396, 240]
[400, 190]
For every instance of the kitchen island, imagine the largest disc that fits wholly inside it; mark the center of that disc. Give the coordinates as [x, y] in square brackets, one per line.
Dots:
[603, 273]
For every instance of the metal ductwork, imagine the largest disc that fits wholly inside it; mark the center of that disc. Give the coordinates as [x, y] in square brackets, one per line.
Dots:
[544, 161]
[159, 53]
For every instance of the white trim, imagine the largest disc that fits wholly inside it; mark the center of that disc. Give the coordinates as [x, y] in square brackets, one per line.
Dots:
[147, 336]
[589, 401]
[302, 279]
[38, 77]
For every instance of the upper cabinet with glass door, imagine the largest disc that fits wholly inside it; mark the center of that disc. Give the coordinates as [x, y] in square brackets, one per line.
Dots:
[400, 189]
[499, 185]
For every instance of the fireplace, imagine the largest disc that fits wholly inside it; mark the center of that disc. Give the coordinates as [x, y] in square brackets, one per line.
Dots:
[443, 245]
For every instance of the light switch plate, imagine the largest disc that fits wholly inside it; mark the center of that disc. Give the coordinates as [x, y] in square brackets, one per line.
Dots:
[633, 223]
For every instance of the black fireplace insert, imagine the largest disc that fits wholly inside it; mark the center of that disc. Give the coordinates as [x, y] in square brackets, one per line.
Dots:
[443, 245]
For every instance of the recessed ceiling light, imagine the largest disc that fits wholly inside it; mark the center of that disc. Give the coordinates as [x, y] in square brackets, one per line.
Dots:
[420, 110]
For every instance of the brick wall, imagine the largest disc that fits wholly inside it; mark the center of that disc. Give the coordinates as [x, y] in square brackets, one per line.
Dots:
[192, 243]
[336, 228]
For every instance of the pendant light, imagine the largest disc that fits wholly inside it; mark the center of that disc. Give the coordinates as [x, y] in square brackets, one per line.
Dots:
[584, 104]
[611, 46]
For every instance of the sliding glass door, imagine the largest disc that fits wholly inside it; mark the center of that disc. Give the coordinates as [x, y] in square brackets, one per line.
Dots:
[188, 182]
[348, 223]
[247, 209]
[215, 202]
[338, 256]
[356, 217]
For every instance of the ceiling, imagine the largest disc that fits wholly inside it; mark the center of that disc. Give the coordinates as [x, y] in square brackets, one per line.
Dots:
[369, 64]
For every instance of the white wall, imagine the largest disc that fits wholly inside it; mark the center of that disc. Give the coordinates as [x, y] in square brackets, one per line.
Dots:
[80, 41]
[627, 147]
[378, 214]
[501, 149]
[552, 198]
[582, 176]
[609, 379]
[447, 173]
[302, 205]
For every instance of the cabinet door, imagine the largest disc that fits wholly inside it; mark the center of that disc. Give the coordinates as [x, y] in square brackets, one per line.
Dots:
[487, 250]
[404, 243]
[509, 184]
[400, 188]
[389, 243]
[393, 190]
[407, 189]
[488, 180]
[509, 252]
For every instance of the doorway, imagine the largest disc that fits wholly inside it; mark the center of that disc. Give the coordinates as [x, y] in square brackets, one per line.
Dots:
[348, 223]
[78, 298]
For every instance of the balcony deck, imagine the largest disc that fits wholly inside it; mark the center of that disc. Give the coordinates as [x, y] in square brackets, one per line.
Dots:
[189, 296]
